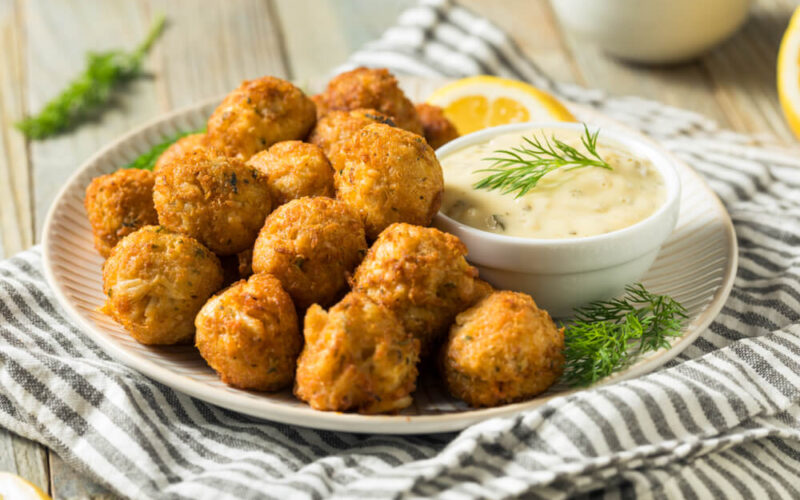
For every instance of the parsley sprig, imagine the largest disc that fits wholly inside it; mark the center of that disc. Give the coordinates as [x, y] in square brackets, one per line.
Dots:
[86, 93]
[606, 336]
[148, 159]
[519, 169]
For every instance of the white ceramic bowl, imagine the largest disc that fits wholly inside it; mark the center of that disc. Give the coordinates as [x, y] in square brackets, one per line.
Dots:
[652, 31]
[561, 274]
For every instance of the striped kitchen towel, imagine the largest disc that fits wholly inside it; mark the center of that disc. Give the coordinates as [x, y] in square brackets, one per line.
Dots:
[721, 421]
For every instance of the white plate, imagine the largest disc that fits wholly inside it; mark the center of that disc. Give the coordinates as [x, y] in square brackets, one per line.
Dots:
[696, 266]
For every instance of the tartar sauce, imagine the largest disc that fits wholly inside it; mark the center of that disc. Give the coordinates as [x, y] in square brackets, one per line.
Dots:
[565, 203]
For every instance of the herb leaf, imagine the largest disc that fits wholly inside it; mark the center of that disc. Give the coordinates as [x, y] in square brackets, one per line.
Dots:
[148, 159]
[518, 170]
[606, 336]
[84, 95]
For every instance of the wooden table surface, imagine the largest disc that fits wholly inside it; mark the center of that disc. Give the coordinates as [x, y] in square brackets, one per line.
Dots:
[211, 45]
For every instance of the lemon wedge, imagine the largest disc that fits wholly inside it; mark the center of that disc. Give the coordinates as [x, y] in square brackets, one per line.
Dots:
[12, 486]
[789, 73]
[485, 101]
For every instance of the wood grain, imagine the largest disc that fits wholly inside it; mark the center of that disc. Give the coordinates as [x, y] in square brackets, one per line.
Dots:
[24, 458]
[16, 228]
[59, 34]
[210, 46]
[68, 484]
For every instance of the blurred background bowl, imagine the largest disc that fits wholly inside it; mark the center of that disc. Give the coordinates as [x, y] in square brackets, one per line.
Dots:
[653, 31]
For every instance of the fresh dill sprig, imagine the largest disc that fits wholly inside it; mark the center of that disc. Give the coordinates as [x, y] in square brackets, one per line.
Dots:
[86, 93]
[148, 159]
[519, 169]
[606, 336]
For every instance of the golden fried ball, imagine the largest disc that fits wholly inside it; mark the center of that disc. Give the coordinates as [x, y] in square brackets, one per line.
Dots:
[388, 175]
[294, 169]
[156, 281]
[501, 350]
[356, 357]
[218, 200]
[311, 245]
[258, 114]
[375, 89]
[249, 334]
[438, 129]
[338, 126]
[421, 275]
[119, 204]
[179, 148]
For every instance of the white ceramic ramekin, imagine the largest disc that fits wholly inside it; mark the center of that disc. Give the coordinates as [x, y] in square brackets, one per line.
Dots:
[652, 31]
[561, 274]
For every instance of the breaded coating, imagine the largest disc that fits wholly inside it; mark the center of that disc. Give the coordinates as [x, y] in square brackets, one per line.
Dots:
[319, 103]
[375, 89]
[249, 334]
[257, 115]
[245, 260]
[501, 350]
[218, 200]
[420, 273]
[338, 126]
[356, 357]
[311, 245]
[179, 148]
[388, 175]
[294, 169]
[438, 129]
[118, 204]
[156, 281]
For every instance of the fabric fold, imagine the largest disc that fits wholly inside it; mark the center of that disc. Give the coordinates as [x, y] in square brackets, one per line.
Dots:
[722, 420]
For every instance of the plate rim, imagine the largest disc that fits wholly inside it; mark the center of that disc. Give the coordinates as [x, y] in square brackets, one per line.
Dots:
[353, 422]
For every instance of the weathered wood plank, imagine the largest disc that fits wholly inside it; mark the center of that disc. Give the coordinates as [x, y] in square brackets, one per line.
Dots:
[743, 71]
[24, 458]
[536, 31]
[59, 34]
[312, 53]
[16, 229]
[68, 484]
[320, 34]
[685, 85]
[18, 455]
[210, 47]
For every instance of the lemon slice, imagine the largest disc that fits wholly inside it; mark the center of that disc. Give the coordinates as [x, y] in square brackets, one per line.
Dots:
[15, 487]
[485, 101]
[789, 73]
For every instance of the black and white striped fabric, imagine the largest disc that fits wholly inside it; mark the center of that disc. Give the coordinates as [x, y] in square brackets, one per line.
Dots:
[721, 421]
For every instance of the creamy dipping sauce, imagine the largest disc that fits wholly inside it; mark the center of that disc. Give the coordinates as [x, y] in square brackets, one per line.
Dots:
[565, 203]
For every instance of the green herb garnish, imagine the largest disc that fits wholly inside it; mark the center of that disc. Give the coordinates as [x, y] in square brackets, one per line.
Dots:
[104, 71]
[519, 169]
[606, 336]
[148, 159]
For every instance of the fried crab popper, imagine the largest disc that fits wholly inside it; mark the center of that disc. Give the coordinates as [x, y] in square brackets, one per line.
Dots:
[294, 169]
[156, 281]
[258, 114]
[249, 334]
[216, 199]
[501, 350]
[118, 204]
[374, 89]
[336, 127]
[421, 275]
[356, 357]
[179, 148]
[388, 175]
[311, 245]
[438, 130]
